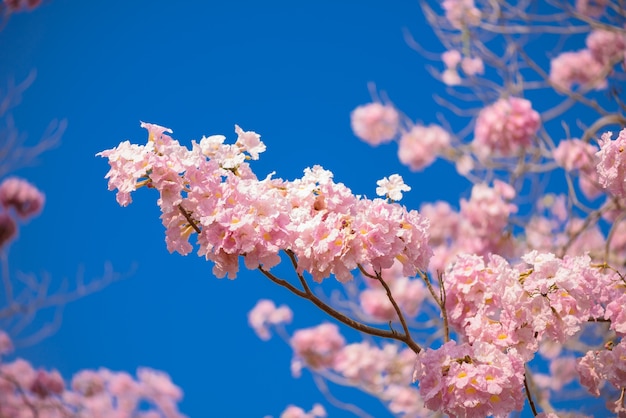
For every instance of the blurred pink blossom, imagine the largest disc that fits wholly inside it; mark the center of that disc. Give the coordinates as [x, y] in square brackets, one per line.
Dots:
[505, 127]
[317, 346]
[293, 411]
[266, 314]
[22, 196]
[461, 13]
[375, 123]
[606, 46]
[579, 67]
[419, 147]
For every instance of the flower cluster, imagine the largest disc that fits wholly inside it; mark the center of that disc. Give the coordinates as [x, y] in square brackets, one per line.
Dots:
[604, 365]
[505, 127]
[385, 372]
[419, 147]
[480, 227]
[578, 67]
[575, 155]
[470, 380]
[470, 65]
[266, 314]
[293, 411]
[212, 191]
[607, 47]
[316, 347]
[461, 13]
[375, 123]
[553, 228]
[26, 392]
[519, 306]
[612, 163]
[589, 67]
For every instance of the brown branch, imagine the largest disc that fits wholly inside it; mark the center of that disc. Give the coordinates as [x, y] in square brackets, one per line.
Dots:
[308, 294]
[187, 216]
[529, 397]
[379, 277]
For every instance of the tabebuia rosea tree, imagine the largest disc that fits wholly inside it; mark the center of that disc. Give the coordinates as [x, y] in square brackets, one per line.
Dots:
[512, 298]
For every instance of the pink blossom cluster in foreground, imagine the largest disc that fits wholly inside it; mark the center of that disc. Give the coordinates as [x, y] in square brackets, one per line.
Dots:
[612, 163]
[26, 392]
[543, 297]
[210, 189]
[504, 314]
[471, 380]
[20, 200]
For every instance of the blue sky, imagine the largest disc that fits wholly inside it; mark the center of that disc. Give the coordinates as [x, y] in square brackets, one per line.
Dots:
[291, 71]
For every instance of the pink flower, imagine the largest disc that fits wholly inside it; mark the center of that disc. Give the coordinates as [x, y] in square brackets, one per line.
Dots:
[128, 164]
[485, 216]
[616, 313]
[22, 196]
[265, 314]
[250, 142]
[476, 380]
[159, 382]
[612, 163]
[506, 127]
[472, 66]
[392, 187]
[210, 145]
[451, 58]
[317, 346]
[211, 191]
[293, 411]
[47, 383]
[575, 154]
[419, 147]
[405, 401]
[461, 13]
[578, 67]
[607, 47]
[604, 365]
[375, 123]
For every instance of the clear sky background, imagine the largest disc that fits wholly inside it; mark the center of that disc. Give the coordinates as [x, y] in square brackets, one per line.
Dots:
[291, 71]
